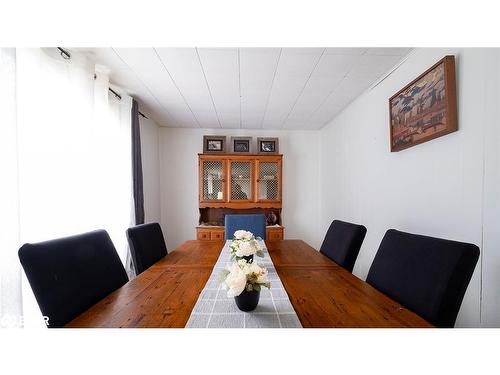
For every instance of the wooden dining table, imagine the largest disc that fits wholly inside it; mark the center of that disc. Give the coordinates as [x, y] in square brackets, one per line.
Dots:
[323, 294]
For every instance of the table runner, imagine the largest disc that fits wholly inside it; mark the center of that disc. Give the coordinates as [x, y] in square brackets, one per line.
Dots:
[215, 310]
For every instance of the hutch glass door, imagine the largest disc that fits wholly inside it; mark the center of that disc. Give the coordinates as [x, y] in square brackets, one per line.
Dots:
[268, 181]
[241, 181]
[213, 180]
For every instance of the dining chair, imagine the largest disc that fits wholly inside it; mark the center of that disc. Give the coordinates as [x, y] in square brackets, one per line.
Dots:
[425, 274]
[255, 223]
[69, 275]
[342, 243]
[147, 245]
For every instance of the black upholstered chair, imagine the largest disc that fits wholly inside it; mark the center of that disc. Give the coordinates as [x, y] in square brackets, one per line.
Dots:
[71, 274]
[342, 243]
[146, 245]
[425, 274]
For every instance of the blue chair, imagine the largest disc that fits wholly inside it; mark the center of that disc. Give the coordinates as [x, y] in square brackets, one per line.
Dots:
[253, 223]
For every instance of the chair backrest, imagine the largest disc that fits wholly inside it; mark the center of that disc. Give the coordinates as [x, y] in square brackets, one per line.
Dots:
[427, 275]
[253, 223]
[147, 245]
[71, 274]
[342, 243]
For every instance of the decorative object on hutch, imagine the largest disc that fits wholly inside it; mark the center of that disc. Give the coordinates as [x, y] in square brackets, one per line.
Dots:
[241, 145]
[267, 145]
[239, 184]
[426, 108]
[214, 144]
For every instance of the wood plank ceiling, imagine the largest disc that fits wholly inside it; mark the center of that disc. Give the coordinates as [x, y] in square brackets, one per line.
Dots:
[249, 88]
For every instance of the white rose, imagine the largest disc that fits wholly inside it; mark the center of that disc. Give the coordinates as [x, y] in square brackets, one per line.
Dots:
[262, 278]
[236, 281]
[239, 234]
[246, 248]
[243, 235]
[260, 272]
[247, 235]
[254, 268]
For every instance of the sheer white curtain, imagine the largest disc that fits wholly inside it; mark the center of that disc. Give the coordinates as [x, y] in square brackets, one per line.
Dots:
[10, 273]
[112, 144]
[74, 154]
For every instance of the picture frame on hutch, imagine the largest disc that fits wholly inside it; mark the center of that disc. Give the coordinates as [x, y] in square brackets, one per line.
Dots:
[241, 145]
[214, 144]
[267, 146]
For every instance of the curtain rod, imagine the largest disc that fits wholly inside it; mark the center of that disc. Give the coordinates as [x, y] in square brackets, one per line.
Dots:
[66, 56]
[120, 97]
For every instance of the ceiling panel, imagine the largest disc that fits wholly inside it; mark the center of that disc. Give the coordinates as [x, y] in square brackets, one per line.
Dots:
[269, 88]
[149, 68]
[329, 73]
[294, 69]
[346, 51]
[222, 71]
[185, 68]
[257, 70]
[388, 51]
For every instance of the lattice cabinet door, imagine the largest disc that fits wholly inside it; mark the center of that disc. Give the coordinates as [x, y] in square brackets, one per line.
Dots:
[269, 181]
[241, 183]
[213, 178]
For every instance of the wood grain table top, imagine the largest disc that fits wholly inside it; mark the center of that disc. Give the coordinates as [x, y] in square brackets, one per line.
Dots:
[323, 294]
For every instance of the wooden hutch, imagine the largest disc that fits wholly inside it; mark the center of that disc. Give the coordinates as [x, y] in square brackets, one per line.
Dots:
[239, 184]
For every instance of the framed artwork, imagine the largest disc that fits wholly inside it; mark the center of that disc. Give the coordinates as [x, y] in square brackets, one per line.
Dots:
[426, 108]
[267, 145]
[241, 145]
[214, 144]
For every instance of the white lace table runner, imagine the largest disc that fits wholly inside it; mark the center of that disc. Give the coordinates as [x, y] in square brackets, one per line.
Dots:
[215, 310]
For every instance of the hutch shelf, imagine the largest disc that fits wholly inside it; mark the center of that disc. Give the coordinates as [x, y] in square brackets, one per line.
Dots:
[238, 184]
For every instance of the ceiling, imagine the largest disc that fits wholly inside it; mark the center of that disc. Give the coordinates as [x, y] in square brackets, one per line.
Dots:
[249, 88]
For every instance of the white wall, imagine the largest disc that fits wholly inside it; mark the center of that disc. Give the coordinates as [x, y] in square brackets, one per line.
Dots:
[179, 181]
[150, 169]
[435, 188]
[490, 307]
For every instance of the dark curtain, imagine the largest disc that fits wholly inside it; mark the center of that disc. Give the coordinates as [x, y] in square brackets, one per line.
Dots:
[137, 165]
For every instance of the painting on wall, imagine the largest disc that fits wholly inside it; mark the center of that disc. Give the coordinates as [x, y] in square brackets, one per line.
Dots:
[426, 108]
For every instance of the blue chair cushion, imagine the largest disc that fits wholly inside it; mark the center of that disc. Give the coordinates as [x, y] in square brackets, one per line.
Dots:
[252, 223]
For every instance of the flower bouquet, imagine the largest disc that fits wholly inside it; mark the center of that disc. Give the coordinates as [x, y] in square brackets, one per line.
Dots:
[245, 246]
[243, 281]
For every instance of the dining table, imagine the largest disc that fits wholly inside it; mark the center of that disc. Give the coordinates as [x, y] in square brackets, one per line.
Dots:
[322, 293]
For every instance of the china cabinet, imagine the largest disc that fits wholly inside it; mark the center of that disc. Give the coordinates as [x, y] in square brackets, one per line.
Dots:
[239, 184]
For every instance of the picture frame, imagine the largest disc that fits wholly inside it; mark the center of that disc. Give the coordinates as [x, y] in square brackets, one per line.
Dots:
[214, 144]
[241, 145]
[426, 108]
[267, 145]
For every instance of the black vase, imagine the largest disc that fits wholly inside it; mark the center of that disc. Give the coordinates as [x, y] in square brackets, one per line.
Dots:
[247, 301]
[248, 258]
[271, 218]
